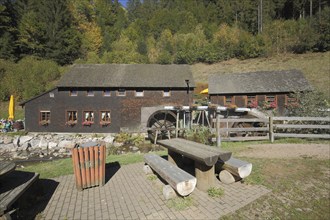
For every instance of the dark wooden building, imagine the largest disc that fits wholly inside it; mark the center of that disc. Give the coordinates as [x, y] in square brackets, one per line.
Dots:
[107, 98]
[266, 89]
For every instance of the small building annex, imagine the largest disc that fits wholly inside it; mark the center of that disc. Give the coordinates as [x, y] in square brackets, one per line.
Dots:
[265, 88]
[108, 98]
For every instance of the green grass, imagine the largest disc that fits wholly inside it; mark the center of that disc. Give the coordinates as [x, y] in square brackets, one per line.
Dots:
[180, 203]
[315, 66]
[215, 192]
[19, 111]
[64, 166]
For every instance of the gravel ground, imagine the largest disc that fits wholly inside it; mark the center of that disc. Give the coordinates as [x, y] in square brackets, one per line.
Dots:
[320, 151]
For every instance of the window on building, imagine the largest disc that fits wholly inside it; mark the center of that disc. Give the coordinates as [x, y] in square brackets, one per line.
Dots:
[105, 118]
[106, 92]
[252, 101]
[139, 93]
[90, 92]
[291, 100]
[44, 117]
[166, 93]
[121, 92]
[270, 99]
[88, 118]
[73, 93]
[71, 117]
[228, 100]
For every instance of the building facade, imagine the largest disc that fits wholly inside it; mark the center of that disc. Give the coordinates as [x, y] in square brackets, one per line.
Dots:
[108, 98]
[266, 89]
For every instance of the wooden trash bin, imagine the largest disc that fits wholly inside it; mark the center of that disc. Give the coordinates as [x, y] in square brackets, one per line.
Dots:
[89, 165]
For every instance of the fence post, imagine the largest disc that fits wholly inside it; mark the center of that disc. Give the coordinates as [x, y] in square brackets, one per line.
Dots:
[271, 129]
[177, 124]
[218, 128]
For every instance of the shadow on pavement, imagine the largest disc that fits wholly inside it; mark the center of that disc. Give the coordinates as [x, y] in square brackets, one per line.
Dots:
[34, 200]
[110, 170]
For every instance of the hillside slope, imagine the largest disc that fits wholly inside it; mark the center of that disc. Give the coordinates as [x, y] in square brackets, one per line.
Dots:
[315, 66]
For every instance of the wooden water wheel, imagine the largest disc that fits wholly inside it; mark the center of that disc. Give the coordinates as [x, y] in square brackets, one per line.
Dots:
[161, 124]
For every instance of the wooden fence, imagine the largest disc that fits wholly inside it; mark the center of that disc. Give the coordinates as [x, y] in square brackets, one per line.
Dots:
[272, 127]
[297, 125]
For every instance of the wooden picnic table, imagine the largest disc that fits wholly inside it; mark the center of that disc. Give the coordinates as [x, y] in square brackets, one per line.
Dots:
[204, 157]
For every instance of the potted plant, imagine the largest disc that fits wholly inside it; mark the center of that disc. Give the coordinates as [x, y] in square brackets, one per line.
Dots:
[105, 123]
[44, 122]
[87, 123]
[71, 123]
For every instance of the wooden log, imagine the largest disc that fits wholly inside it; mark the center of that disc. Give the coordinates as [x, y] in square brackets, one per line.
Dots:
[92, 165]
[97, 166]
[182, 182]
[226, 177]
[205, 176]
[169, 192]
[76, 168]
[82, 167]
[237, 167]
[87, 167]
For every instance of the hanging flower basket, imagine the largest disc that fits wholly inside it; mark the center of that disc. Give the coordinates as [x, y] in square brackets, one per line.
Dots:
[71, 123]
[44, 122]
[87, 123]
[105, 123]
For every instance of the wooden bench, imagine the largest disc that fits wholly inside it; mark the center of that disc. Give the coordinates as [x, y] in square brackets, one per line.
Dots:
[182, 182]
[204, 157]
[233, 169]
[12, 186]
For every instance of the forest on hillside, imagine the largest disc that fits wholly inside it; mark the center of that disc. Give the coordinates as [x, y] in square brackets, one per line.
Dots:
[39, 37]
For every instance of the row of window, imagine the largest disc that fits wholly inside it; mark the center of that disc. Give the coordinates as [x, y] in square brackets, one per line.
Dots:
[119, 92]
[250, 99]
[88, 118]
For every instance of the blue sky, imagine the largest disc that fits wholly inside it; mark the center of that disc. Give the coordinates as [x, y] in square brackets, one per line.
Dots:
[123, 2]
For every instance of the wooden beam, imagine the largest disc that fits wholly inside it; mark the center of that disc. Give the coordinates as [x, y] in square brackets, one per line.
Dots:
[182, 182]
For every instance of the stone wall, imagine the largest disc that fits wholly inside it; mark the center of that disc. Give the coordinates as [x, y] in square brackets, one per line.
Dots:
[46, 145]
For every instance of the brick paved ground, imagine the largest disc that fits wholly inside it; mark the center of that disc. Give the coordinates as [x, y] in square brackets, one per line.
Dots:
[128, 194]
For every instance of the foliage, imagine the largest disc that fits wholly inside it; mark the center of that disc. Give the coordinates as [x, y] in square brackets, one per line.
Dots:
[129, 138]
[200, 134]
[29, 77]
[215, 192]
[310, 104]
[180, 203]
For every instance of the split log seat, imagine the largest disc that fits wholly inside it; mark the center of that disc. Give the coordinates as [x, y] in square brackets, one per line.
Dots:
[12, 186]
[204, 157]
[182, 182]
[233, 169]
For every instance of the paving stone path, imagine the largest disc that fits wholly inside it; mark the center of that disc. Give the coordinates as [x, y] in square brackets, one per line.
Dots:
[129, 194]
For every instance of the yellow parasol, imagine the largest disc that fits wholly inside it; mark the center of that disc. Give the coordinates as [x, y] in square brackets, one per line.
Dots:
[11, 109]
[205, 91]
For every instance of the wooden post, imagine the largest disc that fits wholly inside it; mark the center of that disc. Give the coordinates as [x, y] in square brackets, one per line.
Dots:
[87, 167]
[92, 165]
[97, 164]
[204, 175]
[271, 129]
[218, 129]
[82, 167]
[177, 125]
[77, 168]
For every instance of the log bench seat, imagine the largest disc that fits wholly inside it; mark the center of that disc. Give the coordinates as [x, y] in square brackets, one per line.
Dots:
[204, 157]
[182, 182]
[233, 169]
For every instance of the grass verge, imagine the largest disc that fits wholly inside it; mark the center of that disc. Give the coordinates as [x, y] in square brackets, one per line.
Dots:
[64, 166]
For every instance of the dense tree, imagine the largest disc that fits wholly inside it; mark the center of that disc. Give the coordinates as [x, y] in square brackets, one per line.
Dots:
[7, 30]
